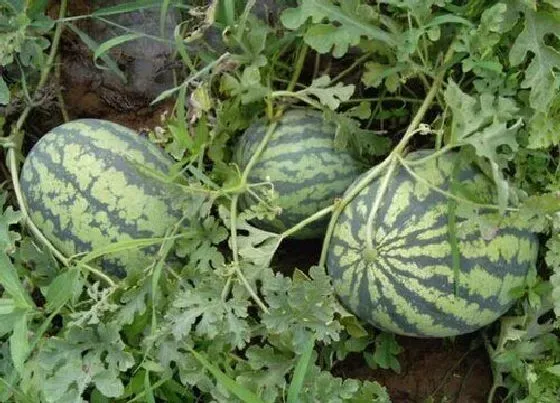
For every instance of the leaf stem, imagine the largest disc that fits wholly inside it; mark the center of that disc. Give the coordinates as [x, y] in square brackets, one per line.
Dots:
[314, 217]
[299, 67]
[378, 99]
[391, 159]
[358, 61]
[44, 73]
[380, 193]
[252, 292]
[421, 161]
[99, 274]
[19, 197]
[243, 185]
[298, 95]
[406, 165]
[339, 206]
[233, 217]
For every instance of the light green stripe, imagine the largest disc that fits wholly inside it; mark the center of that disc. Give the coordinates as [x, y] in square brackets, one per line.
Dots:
[399, 203]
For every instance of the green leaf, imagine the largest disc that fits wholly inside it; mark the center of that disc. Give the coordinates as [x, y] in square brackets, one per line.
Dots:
[300, 306]
[266, 370]
[257, 246]
[248, 87]
[376, 72]
[481, 120]
[386, 350]
[351, 136]
[7, 218]
[544, 127]
[299, 372]
[540, 75]
[487, 140]
[62, 289]
[330, 96]
[19, 344]
[555, 369]
[201, 248]
[7, 306]
[201, 310]
[483, 123]
[346, 27]
[133, 303]
[12, 285]
[4, 92]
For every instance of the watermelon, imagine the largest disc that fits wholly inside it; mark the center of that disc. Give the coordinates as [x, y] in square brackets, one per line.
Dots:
[88, 183]
[406, 283]
[301, 161]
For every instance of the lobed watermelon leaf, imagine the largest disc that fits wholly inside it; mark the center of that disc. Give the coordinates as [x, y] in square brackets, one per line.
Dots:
[540, 76]
[347, 24]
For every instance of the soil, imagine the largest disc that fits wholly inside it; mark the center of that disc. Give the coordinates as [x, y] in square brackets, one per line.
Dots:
[432, 370]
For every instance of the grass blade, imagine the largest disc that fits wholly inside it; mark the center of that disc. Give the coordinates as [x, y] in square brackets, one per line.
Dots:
[242, 393]
[120, 246]
[300, 371]
[111, 43]
[93, 45]
[163, 16]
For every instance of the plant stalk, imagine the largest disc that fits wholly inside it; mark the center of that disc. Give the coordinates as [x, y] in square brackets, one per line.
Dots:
[390, 160]
[44, 73]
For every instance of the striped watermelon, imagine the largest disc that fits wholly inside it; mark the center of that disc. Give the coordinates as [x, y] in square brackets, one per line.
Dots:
[84, 189]
[405, 285]
[301, 161]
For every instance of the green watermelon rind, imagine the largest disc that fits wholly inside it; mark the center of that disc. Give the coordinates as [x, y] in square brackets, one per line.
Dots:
[408, 288]
[84, 189]
[301, 161]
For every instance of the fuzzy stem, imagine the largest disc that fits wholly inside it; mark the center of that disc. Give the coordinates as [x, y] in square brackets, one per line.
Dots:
[255, 157]
[252, 161]
[59, 95]
[235, 198]
[299, 67]
[397, 151]
[380, 193]
[44, 72]
[257, 299]
[358, 61]
[406, 165]
[421, 161]
[314, 217]
[233, 227]
[27, 220]
[339, 206]
[233, 216]
[378, 99]
[298, 95]
[99, 274]
[18, 138]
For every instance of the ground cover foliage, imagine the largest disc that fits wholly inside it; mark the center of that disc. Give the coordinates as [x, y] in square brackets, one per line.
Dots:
[480, 77]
